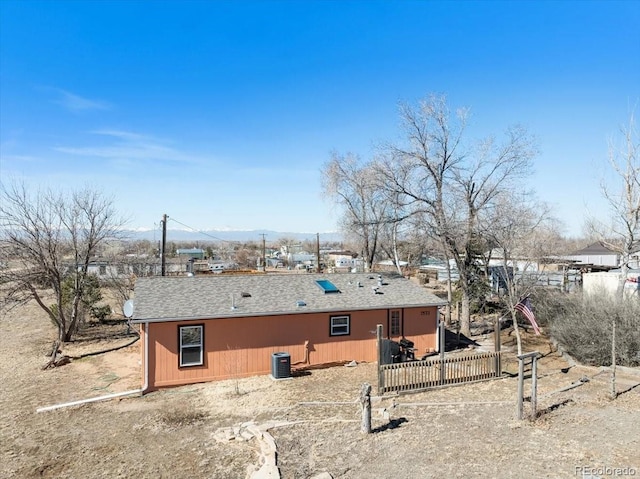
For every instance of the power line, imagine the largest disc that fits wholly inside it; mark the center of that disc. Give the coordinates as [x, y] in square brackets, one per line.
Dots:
[200, 231]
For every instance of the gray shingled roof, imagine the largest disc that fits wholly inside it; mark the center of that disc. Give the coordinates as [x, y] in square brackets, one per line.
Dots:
[596, 248]
[200, 297]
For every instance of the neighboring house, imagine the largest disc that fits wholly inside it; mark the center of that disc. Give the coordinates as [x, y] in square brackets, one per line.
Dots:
[390, 265]
[301, 258]
[439, 269]
[208, 328]
[188, 253]
[333, 257]
[109, 269]
[496, 259]
[596, 256]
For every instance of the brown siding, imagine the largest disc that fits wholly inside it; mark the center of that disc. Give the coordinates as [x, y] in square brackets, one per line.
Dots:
[243, 346]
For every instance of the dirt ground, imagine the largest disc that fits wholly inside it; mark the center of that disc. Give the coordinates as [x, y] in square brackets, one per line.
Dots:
[467, 431]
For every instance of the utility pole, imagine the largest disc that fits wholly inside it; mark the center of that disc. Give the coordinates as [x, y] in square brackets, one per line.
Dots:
[264, 252]
[163, 264]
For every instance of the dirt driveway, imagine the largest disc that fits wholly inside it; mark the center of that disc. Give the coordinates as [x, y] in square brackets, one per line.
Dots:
[466, 431]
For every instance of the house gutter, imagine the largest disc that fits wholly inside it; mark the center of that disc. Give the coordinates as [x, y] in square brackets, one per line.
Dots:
[239, 313]
[107, 397]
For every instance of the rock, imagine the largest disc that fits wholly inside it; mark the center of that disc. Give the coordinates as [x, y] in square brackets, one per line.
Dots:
[322, 475]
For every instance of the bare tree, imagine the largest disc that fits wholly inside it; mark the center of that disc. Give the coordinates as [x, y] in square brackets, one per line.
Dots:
[354, 185]
[448, 183]
[419, 171]
[489, 174]
[516, 226]
[394, 224]
[623, 233]
[51, 239]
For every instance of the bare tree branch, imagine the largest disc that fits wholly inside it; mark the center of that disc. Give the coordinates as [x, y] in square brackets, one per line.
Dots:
[48, 238]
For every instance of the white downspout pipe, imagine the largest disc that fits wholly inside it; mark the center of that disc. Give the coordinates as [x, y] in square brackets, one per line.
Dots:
[145, 365]
[114, 395]
[84, 401]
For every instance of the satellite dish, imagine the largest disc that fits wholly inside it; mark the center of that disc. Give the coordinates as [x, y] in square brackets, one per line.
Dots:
[127, 308]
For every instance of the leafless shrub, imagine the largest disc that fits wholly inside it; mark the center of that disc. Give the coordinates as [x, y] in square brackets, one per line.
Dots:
[583, 326]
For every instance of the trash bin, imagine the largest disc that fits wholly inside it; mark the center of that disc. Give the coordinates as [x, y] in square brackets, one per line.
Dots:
[280, 365]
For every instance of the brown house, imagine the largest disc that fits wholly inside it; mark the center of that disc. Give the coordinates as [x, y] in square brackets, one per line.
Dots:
[197, 329]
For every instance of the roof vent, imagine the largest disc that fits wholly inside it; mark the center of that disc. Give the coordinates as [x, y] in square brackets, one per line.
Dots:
[233, 302]
[245, 295]
[300, 303]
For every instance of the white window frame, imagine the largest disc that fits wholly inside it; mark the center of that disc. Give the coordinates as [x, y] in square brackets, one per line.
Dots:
[395, 329]
[334, 327]
[183, 346]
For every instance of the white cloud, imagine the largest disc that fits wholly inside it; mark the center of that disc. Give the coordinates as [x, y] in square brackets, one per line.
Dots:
[124, 135]
[129, 146]
[76, 103]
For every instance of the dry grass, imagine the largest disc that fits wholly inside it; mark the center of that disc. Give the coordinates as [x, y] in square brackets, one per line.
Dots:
[466, 431]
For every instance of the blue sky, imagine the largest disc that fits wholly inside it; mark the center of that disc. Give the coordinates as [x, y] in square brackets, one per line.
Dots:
[221, 114]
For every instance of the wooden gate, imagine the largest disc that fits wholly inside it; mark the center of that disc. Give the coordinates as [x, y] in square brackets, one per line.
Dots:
[437, 372]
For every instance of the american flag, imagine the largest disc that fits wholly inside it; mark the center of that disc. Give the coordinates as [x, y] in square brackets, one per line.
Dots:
[524, 306]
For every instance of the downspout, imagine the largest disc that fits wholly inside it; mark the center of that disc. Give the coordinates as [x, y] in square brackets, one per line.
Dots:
[145, 362]
[438, 326]
[114, 395]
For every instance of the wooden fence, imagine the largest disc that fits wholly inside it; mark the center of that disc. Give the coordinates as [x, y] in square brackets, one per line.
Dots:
[436, 372]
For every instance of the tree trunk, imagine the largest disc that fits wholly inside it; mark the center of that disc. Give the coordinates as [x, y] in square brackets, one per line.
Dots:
[516, 330]
[449, 294]
[465, 320]
[56, 350]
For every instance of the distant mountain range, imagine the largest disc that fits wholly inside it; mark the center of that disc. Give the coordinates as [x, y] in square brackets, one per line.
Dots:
[219, 235]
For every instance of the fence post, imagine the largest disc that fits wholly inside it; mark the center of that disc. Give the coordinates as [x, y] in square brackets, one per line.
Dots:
[498, 347]
[379, 346]
[534, 382]
[520, 385]
[443, 347]
[534, 387]
[365, 401]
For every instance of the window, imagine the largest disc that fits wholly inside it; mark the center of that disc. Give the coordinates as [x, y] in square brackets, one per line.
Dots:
[339, 325]
[191, 345]
[395, 323]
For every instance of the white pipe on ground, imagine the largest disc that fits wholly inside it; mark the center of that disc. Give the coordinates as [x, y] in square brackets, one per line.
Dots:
[95, 399]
